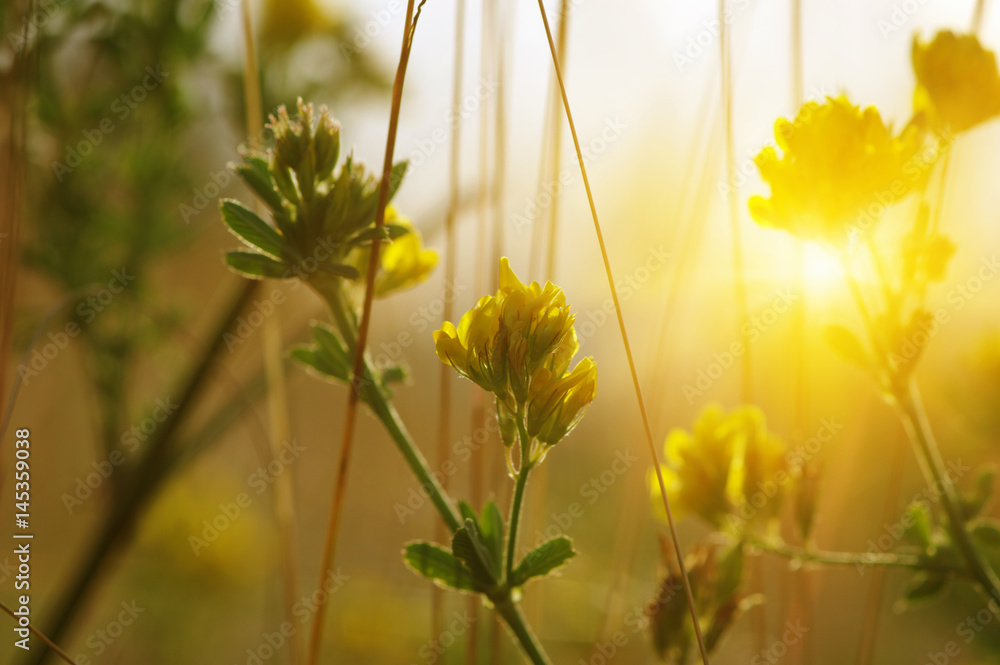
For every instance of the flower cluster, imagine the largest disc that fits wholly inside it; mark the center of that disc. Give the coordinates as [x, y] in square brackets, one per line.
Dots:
[957, 80]
[837, 160]
[518, 345]
[324, 217]
[730, 464]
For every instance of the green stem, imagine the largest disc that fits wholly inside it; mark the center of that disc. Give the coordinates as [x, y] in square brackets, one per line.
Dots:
[415, 459]
[780, 548]
[387, 414]
[918, 429]
[511, 613]
[521, 482]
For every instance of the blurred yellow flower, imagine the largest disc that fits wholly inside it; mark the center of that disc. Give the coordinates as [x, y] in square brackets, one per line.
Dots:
[729, 470]
[404, 262]
[840, 166]
[518, 344]
[957, 80]
[285, 22]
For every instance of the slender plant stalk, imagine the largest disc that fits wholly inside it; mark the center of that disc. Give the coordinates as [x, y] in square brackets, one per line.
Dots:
[977, 16]
[280, 430]
[444, 398]
[350, 415]
[883, 559]
[557, 127]
[145, 481]
[40, 635]
[866, 650]
[541, 478]
[918, 429]
[739, 270]
[628, 349]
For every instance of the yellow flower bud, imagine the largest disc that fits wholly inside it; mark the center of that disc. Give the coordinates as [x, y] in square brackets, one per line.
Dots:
[557, 402]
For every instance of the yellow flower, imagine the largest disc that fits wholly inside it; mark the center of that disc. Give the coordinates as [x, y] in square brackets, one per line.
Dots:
[404, 262]
[840, 166]
[522, 326]
[518, 344]
[729, 470]
[472, 348]
[558, 402]
[957, 80]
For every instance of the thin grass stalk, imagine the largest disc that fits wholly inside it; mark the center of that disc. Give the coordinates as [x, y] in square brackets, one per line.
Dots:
[537, 502]
[799, 341]
[14, 162]
[40, 635]
[280, 430]
[357, 372]
[624, 333]
[557, 126]
[977, 16]
[873, 602]
[739, 272]
[145, 480]
[450, 259]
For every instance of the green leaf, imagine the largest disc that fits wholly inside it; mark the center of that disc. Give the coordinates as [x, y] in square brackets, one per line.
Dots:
[341, 270]
[976, 500]
[846, 345]
[917, 525]
[256, 266]
[387, 233]
[543, 560]
[468, 512]
[396, 176]
[438, 565]
[467, 550]
[252, 229]
[986, 533]
[491, 530]
[256, 176]
[393, 374]
[311, 357]
[923, 589]
[730, 572]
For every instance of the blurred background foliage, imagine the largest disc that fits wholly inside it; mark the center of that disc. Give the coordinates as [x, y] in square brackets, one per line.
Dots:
[144, 200]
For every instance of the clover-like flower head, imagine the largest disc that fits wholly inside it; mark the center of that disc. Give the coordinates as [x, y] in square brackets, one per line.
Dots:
[323, 217]
[728, 470]
[957, 80]
[840, 165]
[518, 344]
